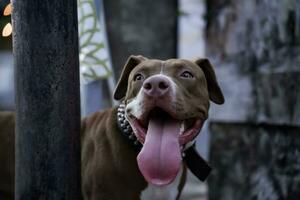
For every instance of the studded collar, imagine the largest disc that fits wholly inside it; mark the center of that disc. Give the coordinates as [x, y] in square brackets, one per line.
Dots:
[126, 129]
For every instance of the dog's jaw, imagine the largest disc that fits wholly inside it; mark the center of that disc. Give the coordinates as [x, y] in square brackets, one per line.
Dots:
[186, 134]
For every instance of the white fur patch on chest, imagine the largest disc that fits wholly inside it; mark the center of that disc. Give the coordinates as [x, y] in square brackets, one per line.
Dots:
[168, 192]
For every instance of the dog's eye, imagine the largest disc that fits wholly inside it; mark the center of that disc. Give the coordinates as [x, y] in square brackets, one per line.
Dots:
[187, 74]
[138, 77]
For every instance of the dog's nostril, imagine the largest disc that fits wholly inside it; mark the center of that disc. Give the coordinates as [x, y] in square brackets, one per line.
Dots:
[147, 86]
[163, 85]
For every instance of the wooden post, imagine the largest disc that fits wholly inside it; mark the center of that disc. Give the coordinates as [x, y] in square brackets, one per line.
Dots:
[45, 46]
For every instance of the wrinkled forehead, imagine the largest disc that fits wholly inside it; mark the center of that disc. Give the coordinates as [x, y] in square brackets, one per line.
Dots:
[153, 66]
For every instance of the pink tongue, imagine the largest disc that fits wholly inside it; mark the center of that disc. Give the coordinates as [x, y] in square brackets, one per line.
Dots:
[160, 158]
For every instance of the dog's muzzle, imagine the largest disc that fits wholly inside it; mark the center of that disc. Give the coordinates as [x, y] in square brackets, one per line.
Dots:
[193, 160]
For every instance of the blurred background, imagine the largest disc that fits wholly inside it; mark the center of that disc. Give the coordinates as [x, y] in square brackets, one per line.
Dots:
[253, 140]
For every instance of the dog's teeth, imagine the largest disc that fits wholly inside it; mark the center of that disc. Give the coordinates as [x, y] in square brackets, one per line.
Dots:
[122, 105]
[181, 128]
[121, 109]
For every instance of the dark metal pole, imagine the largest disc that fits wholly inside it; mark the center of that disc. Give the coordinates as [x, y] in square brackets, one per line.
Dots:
[45, 45]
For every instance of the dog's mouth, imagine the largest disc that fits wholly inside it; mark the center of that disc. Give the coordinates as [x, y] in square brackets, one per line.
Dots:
[163, 136]
[189, 128]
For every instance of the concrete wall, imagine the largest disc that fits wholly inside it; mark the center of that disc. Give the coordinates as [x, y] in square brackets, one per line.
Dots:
[255, 46]
[146, 28]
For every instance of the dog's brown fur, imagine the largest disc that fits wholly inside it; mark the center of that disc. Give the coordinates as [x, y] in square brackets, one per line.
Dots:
[109, 165]
[108, 160]
[113, 174]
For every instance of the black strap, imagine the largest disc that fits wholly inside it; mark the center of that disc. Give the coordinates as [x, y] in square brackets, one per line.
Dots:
[196, 163]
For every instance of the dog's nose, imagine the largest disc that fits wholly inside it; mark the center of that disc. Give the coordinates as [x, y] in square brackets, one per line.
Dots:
[156, 86]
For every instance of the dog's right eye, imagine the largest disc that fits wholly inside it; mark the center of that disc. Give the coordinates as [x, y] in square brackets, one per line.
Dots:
[138, 77]
[187, 74]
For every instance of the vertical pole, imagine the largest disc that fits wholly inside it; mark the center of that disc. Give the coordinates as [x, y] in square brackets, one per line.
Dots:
[45, 45]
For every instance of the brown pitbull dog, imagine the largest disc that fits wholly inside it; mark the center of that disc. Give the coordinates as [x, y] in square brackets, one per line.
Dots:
[143, 144]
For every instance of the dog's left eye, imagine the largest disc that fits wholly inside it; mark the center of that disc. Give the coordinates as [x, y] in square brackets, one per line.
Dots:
[138, 77]
[187, 74]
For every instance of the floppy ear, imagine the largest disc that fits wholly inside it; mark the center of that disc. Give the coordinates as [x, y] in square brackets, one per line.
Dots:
[215, 93]
[121, 87]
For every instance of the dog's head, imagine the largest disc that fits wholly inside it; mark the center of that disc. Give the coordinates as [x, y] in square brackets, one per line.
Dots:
[166, 104]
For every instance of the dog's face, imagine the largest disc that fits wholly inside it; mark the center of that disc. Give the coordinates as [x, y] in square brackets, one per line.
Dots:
[166, 104]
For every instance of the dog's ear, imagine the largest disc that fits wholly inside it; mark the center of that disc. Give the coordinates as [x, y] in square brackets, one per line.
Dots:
[215, 93]
[121, 87]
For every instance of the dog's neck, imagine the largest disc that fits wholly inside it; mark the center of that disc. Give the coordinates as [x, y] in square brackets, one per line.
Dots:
[193, 160]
